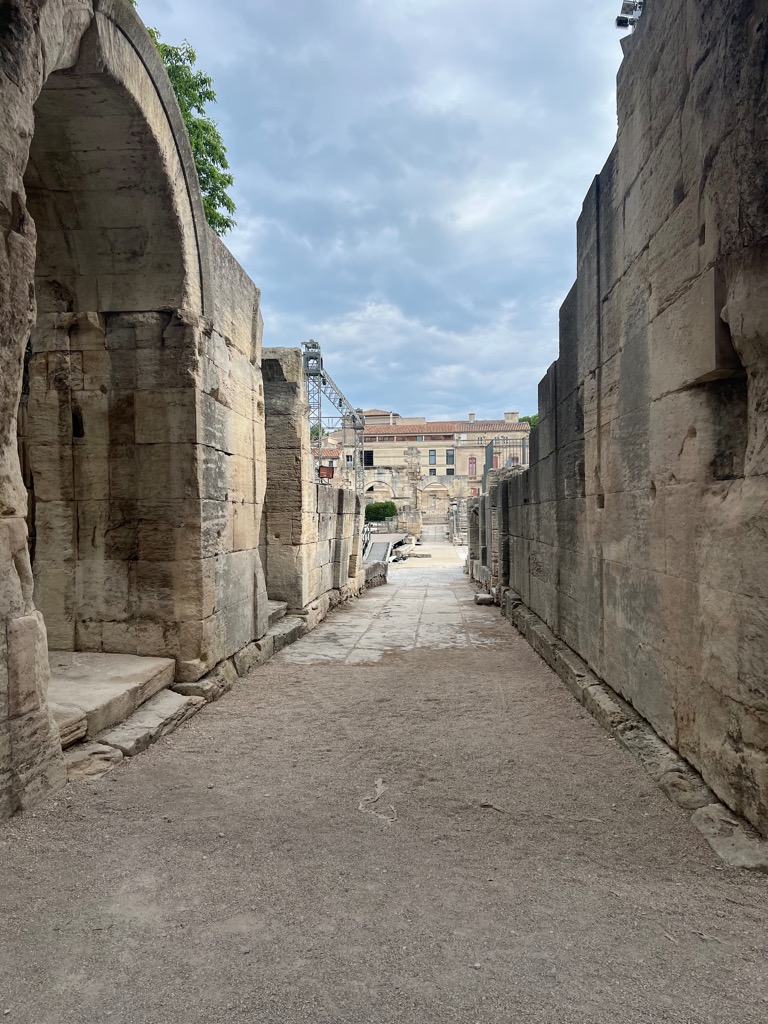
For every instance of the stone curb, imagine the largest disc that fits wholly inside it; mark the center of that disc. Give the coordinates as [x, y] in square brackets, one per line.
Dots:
[732, 838]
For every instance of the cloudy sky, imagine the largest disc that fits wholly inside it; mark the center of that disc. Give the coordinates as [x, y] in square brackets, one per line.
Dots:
[408, 176]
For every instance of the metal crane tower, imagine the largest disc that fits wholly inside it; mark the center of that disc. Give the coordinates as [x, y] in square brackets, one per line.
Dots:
[346, 419]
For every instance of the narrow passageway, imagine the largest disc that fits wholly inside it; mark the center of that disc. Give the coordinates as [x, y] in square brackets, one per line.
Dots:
[403, 817]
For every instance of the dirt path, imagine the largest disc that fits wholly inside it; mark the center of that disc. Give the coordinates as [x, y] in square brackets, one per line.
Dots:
[517, 865]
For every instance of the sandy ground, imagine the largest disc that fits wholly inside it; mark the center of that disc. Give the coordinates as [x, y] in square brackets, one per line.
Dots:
[517, 866]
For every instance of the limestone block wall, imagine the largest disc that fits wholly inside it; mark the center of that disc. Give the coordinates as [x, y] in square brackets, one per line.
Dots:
[638, 534]
[290, 533]
[473, 530]
[337, 556]
[143, 443]
[312, 536]
[231, 470]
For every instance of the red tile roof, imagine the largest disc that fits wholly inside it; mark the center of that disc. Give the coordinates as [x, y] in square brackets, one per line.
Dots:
[485, 427]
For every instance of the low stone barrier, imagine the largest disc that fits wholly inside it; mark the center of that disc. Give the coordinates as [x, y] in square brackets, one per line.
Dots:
[375, 574]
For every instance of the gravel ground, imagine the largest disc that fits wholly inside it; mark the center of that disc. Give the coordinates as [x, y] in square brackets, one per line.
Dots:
[518, 867]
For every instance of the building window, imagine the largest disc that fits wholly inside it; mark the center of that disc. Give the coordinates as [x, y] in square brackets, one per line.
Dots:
[350, 459]
[433, 472]
[419, 437]
[495, 461]
[472, 466]
[449, 456]
[368, 457]
[433, 457]
[450, 472]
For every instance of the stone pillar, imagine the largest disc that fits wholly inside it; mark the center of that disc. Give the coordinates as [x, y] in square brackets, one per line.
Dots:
[31, 764]
[356, 570]
[290, 540]
[502, 527]
[493, 527]
[473, 529]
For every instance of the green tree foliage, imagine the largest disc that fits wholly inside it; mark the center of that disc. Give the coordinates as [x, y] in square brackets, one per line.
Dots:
[533, 420]
[194, 90]
[378, 511]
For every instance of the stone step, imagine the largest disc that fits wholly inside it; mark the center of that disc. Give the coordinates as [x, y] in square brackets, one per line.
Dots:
[286, 632]
[71, 721]
[277, 610]
[158, 717]
[101, 689]
[210, 687]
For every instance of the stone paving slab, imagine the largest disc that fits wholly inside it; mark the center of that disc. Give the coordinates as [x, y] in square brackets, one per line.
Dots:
[106, 688]
[409, 614]
[276, 610]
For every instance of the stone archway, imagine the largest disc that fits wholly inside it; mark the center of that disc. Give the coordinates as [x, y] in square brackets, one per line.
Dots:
[104, 274]
[379, 491]
[435, 501]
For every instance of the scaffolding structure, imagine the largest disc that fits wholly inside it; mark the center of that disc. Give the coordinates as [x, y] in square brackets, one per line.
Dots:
[345, 421]
[505, 452]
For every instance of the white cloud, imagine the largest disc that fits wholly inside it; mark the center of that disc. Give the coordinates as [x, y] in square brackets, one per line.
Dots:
[408, 175]
[491, 368]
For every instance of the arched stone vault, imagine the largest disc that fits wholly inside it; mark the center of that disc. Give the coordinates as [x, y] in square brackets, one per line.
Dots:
[381, 491]
[144, 420]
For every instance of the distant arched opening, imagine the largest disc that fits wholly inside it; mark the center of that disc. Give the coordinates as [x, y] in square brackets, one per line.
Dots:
[378, 491]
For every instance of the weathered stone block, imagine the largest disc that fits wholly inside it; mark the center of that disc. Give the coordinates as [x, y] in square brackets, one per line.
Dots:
[53, 471]
[90, 760]
[158, 717]
[287, 631]
[690, 343]
[254, 654]
[38, 767]
[166, 416]
[71, 722]
[212, 686]
[27, 664]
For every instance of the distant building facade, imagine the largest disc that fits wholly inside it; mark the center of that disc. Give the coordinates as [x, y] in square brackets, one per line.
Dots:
[425, 464]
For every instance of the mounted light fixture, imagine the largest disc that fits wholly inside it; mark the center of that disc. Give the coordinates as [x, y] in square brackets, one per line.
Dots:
[630, 12]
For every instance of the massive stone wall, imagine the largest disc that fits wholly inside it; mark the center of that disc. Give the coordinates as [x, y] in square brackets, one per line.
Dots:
[138, 338]
[312, 537]
[639, 533]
